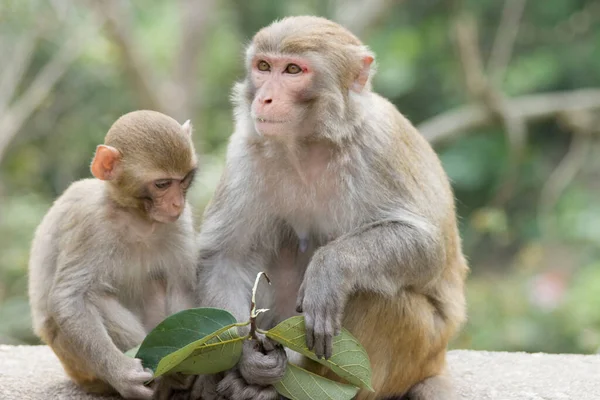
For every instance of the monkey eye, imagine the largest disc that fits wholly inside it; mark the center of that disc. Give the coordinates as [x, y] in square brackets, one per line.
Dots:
[263, 66]
[162, 184]
[187, 181]
[293, 69]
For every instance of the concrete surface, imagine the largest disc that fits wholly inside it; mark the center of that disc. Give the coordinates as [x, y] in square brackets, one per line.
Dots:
[33, 372]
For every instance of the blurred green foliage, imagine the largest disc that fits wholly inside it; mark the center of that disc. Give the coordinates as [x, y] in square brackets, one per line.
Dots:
[535, 275]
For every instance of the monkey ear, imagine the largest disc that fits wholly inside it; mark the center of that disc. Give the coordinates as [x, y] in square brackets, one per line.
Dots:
[363, 76]
[187, 127]
[105, 163]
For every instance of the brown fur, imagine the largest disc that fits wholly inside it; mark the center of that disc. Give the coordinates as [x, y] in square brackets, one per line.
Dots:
[313, 35]
[101, 273]
[79, 370]
[365, 190]
[152, 145]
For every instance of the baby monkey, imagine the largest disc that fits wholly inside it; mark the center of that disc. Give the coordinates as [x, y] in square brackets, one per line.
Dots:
[115, 255]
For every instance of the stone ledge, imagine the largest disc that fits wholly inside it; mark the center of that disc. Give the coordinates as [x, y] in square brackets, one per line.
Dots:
[33, 372]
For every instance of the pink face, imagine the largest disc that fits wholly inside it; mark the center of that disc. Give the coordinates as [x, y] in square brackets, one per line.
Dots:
[166, 199]
[282, 84]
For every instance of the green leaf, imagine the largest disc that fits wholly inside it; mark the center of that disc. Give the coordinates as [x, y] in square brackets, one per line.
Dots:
[179, 330]
[214, 353]
[300, 384]
[349, 359]
[132, 352]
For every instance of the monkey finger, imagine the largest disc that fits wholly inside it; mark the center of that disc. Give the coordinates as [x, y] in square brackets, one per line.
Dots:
[143, 376]
[148, 374]
[337, 328]
[308, 322]
[263, 369]
[232, 383]
[205, 387]
[319, 335]
[254, 358]
[300, 299]
[328, 337]
[267, 344]
[260, 393]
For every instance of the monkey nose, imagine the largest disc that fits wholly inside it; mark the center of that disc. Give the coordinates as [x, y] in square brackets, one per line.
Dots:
[266, 100]
[174, 212]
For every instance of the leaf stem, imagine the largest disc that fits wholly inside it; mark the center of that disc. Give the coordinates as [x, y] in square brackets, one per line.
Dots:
[253, 311]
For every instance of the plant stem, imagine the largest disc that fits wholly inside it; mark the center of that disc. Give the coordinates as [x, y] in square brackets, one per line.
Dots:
[253, 311]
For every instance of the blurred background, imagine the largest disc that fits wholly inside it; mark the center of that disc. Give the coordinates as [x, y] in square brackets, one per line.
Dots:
[507, 92]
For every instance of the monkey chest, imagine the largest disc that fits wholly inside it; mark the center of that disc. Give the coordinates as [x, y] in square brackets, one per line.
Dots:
[315, 208]
[142, 273]
[317, 222]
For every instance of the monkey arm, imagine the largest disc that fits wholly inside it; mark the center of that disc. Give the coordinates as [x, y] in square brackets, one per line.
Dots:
[230, 250]
[227, 283]
[385, 256]
[124, 327]
[82, 340]
[80, 321]
[86, 314]
[381, 257]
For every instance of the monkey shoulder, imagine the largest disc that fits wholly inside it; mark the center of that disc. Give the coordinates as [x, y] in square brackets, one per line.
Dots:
[60, 236]
[406, 163]
[76, 206]
[82, 197]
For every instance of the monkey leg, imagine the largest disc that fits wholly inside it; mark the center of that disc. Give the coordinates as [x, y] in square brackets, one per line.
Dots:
[405, 339]
[124, 327]
[76, 368]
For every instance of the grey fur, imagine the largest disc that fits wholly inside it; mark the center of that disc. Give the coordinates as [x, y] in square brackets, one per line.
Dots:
[377, 213]
[92, 272]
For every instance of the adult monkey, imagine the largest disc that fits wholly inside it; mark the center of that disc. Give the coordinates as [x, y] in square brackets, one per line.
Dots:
[333, 192]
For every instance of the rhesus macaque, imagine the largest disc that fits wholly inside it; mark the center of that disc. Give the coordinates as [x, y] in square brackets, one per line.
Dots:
[338, 197]
[116, 255]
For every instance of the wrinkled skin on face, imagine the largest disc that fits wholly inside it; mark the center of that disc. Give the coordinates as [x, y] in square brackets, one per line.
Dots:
[149, 163]
[165, 197]
[283, 91]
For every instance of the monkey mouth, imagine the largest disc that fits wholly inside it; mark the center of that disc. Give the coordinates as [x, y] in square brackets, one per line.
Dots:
[269, 121]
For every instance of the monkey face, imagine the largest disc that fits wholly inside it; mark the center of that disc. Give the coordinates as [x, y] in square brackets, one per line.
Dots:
[282, 87]
[149, 162]
[165, 198]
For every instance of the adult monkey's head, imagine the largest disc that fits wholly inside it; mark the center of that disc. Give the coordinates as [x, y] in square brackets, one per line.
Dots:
[301, 72]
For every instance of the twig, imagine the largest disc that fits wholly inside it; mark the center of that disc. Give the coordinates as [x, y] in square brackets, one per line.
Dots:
[516, 133]
[565, 171]
[481, 89]
[358, 16]
[185, 85]
[119, 29]
[583, 125]
[466, 36]
[453, 124]
[505, 39]
[17, 114]
[253, 311]
[16, 65]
